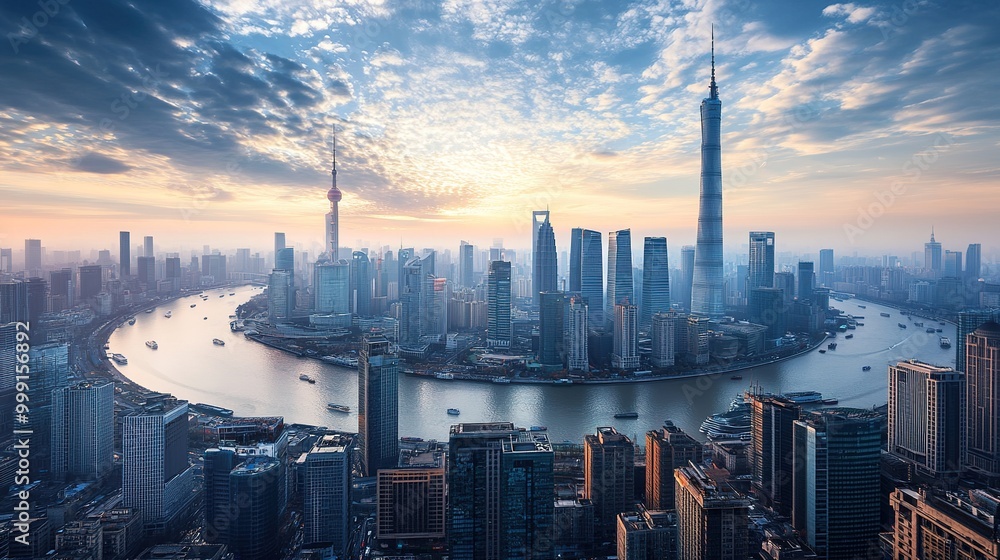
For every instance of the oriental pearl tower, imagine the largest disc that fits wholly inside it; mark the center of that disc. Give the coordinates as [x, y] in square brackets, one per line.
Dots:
[333, 217]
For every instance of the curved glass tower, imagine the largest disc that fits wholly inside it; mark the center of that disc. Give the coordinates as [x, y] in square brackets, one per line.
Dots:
[707, 294]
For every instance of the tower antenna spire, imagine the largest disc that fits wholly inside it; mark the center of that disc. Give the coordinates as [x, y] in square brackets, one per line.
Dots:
[334, 150]
[713, 90]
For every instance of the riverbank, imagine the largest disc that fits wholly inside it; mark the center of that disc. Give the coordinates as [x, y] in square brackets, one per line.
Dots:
[484, 378]
[643, 379]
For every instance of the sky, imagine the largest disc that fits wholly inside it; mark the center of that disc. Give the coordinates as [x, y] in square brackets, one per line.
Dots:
[856, 126]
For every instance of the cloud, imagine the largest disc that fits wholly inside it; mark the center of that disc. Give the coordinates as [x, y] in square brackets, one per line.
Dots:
[96, 163]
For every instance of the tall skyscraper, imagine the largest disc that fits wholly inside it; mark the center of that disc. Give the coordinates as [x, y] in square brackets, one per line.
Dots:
[255, 506]
[361, 284]
[13, 302]
[973, 262]
[667, 449]
[38, 295]
[538, 217]
[124, 255]
[325, 473]
[411, 497]
[772, 419]
[655, 279]
[146, 272]
[577, 334]
[217, 465]
[664, 348]
[280, 295]
[32, 256]
[333, 216]
[284, 259]
[147, 246]
[625, 354]
[8, 370]
[619, 271]
[498, 326]
[806, 281]
[687, 276]
[953, 264]
[91, 279]
[707, 297]
[711, 517]
[415, 286]
[378, 406]
[83, 431]
[836, 481]
[609, 477]
[982, 378]
[279, 244]
[466, 276]
[761, 260]
[826, 268]
[6, 260]
[551, 330]
[157, 479]
[586, 272]
[968, 321]
[527, 490]
[475, 507]
[49, 371]
[932, 255]
[544, 270]
[927, 417]
[331, 287]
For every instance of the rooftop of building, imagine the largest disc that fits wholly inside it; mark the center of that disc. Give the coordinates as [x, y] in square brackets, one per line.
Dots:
[645, 520]
[711, 488]
[421, 458]
[978, 509]
[608, 435]
[527, 442]
[482, 428]
[924, 367]
[255, 465]
[332, 443]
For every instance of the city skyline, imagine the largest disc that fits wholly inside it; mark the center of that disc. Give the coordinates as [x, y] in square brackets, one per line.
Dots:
[226, 123]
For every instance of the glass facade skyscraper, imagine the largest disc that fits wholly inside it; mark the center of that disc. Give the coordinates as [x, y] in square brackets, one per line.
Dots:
[378, 406]
[498, 327]
[83, 431]
[687, 276]
[474, 489]
[619, 272]
[761, 271]
[331, 287]
[836, 481]
[361, 284]
[544, 270]
[586, 272]
[124, 255]
[655, 279]
[551, 330]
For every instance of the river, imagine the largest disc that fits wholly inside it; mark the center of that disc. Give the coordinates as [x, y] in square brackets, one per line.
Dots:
[255, 380]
